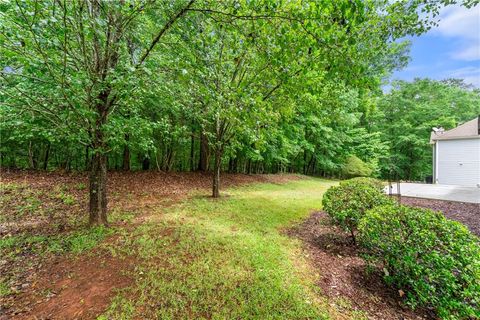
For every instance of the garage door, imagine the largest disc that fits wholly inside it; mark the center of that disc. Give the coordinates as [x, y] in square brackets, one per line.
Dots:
[459, 162]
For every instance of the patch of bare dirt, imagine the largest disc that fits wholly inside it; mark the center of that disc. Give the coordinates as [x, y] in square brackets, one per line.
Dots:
[344, 273]
[73, 288]
[466, 213]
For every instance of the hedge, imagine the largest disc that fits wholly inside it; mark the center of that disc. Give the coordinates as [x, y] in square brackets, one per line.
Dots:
[433, 260]
[375, 183]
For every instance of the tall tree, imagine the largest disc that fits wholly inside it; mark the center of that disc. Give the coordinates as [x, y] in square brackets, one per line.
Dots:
[76, 60]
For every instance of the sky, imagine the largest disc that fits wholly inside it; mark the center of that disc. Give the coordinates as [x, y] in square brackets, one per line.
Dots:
[451, 50]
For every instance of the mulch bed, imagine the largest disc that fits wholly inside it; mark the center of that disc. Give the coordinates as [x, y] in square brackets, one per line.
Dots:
[466, 213]
[344, 273]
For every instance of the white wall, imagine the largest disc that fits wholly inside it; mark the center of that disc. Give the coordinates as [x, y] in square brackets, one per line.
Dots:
[459, 162]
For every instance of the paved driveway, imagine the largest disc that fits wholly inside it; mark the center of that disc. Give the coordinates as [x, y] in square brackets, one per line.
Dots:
[438, 191]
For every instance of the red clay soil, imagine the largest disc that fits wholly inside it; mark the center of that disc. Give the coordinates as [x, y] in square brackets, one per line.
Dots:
[466, 213]
[81, 287]
[73, 288]
[344, 273]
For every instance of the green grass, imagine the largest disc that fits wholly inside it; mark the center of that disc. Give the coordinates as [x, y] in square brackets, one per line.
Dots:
[4, 288]
[75, 242]
[224, 259]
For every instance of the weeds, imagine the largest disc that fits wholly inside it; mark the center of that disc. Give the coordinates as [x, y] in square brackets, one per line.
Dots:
[21, 203]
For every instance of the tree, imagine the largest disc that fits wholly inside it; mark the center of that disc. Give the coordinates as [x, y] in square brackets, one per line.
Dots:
[100, 79]
[77, 69]
[409, 112]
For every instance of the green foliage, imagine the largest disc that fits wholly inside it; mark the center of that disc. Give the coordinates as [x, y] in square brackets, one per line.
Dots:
[435, 261]
[66, 198]
[272, 85]
[8, 242]
[81, 186]
[375, 183]
[406, 116]
[79, 241]
[354, 167]
[347, 203]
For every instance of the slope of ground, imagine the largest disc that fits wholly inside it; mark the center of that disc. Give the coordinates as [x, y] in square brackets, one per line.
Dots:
[172, 252]
[224, 259]
[48, 258]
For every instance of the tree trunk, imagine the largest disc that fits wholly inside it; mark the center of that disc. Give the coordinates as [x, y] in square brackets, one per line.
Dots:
[231, 165]
[216, 175]
[309, 164]
[192, 150]
[45, 159]
[126, 154]
[314, 164]
[304, 162]
[98, 189]
[203, 159]
[31, 162]
[146, 163]
[87, 159]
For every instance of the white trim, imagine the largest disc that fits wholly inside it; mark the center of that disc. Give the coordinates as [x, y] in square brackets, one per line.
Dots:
[436, 163]
[440, 138]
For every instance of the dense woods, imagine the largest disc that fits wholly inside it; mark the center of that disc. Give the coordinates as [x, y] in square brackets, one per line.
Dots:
[238, 86]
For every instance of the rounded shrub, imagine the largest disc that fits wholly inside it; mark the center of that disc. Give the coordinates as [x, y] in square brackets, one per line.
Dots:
[355, 167]
[433, 260]
[347, 203]
[375, 183]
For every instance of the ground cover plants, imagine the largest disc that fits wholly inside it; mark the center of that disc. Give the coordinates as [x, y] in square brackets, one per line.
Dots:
[169, 159]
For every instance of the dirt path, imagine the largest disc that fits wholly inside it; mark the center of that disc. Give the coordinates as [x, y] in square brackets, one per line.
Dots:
[343, 272]
[74, 288]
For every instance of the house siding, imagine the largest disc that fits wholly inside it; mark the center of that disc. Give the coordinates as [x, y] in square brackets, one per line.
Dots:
[458, 162]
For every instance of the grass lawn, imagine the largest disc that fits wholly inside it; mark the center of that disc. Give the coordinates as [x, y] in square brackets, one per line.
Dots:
[224, 259]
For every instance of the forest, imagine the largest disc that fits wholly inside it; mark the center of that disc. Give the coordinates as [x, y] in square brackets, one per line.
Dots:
[205, 159]
[238, 86]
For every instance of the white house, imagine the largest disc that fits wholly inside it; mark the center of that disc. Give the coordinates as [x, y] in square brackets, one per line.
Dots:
[456, 154]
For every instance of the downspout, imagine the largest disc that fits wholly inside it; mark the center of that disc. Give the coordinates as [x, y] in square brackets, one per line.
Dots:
[434, 160]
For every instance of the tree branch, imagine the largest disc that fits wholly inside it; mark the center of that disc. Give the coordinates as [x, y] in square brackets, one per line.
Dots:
[165, 28]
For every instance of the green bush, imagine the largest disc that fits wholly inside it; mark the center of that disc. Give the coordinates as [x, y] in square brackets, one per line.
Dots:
[377, 184]
[355, 167]
[347, 203]
[433, 260]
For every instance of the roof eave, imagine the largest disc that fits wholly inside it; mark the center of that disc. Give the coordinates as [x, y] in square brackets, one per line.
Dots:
[454, 138]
